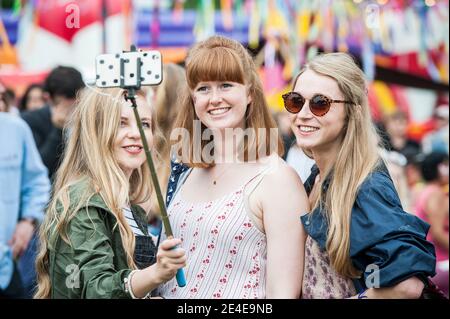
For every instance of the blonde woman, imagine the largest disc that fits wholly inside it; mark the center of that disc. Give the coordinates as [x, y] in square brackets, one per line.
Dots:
[361, 242]
[237, 207]
[94, 240]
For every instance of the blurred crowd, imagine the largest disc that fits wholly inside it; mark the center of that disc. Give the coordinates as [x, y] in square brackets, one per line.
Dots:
[33, 142]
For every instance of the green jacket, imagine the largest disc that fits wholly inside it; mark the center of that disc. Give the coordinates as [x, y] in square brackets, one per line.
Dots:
[95, 265]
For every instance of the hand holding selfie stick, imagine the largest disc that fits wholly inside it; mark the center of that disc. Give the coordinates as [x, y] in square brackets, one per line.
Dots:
[131, 96]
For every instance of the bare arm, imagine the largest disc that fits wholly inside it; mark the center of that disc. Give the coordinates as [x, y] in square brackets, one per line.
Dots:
[437, 212]
[410, 288]
[165, 268]
[283, 200]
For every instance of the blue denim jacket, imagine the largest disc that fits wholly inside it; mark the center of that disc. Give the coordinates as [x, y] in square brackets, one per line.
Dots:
[24, 185]
[381, 232]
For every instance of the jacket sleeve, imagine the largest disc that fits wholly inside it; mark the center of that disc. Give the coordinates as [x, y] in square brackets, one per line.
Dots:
[35, 185]
[93, 254]
[387, 243]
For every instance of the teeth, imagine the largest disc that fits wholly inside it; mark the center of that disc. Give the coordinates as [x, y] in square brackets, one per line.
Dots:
[133, 148]
[219, 111]
[307, 128]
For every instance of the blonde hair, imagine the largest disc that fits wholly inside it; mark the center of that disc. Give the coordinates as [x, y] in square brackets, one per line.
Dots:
[222, 59]
[166, 110]
[356, 159]
[89, 156]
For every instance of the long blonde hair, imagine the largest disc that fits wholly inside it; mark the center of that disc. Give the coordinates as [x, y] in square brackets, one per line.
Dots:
[356, 159]
[89, 156]
[222, 59]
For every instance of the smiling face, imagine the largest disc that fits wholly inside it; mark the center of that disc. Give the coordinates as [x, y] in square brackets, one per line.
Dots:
[221, 104]
[325, 133]
[128, 148]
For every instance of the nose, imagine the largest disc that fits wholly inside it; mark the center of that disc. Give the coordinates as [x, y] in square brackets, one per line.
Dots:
[133, 132]
[305, 112]
[215, 98]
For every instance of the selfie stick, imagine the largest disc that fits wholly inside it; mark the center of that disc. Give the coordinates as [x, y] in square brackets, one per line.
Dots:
[131, 96]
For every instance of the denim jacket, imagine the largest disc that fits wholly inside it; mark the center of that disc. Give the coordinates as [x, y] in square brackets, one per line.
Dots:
[382, 235]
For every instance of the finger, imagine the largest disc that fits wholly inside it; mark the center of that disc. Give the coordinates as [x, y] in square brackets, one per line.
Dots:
[172, 254]
[170, 243]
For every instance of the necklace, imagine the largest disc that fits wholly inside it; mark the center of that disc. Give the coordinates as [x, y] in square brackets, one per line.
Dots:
[215, 178]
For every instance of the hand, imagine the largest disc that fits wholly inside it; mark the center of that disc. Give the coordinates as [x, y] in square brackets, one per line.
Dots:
[61, 111]
[169, 260]
[21, 237]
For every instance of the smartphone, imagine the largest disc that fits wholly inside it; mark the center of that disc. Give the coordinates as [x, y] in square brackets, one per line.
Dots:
[128, 69]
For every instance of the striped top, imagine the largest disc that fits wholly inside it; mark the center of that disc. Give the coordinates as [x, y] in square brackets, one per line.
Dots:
[132, 222]
[226, 253]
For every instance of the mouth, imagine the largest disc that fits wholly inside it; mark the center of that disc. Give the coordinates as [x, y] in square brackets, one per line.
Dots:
[219, 110]
[133, 149]
[307, 129]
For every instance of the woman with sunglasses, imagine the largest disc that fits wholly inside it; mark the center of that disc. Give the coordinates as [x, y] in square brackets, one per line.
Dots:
[360, 242]
[236, 212]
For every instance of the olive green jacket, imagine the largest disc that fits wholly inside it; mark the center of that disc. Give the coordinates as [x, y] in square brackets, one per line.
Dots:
[95, 264]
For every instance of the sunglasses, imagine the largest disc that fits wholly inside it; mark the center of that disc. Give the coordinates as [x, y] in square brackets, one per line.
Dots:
[319, 104]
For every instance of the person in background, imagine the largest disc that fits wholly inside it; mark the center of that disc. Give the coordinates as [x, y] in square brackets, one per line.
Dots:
[438, 140]
[284, 126]
[24, 193]
[3, 104]
[33, 98]
[62, 86]
[164, 99]
[299, 161]
[433, 207]
[396, 138]
[10, 98]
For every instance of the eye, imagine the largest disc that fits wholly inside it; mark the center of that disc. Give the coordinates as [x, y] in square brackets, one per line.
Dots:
[227, 85]
[123, 122]
[202, 88]
[146, 124]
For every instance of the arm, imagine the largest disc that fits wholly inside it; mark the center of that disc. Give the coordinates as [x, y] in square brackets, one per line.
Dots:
[410, 288]
[35, 185]
[437, 212]
[168, 261]
[94, 257]
[35, 193]
[283, 201]
[388, 244]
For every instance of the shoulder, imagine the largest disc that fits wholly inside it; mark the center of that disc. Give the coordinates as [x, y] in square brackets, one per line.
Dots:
[10, 121]
[280, 181]
[278, 172]
[82, 195]
[378, 186]
[36, 117]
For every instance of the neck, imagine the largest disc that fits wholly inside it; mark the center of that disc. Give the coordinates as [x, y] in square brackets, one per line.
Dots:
[325, 157]
[226, 148]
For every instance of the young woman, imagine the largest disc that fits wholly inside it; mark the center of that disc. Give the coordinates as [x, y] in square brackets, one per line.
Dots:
[94, 240]
[360, 240]
[238, 218]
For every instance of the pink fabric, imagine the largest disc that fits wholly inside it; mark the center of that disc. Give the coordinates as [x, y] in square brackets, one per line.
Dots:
[419, 208]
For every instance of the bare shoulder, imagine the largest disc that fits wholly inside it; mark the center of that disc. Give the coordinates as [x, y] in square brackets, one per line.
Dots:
[279, 173]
